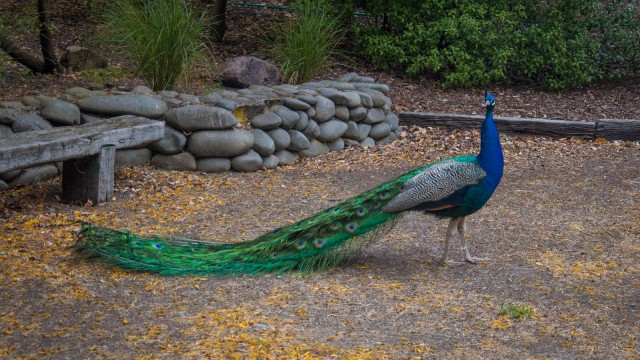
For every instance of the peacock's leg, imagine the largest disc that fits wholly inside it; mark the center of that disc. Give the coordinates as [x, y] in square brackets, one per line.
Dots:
[467, 256]
[453, 224]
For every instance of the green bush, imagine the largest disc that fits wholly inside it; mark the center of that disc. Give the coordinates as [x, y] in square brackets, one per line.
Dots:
[162, 38]
[558, 44]
[304, 44]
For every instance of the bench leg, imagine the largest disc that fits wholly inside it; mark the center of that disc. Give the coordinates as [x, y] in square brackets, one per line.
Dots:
[89, 178]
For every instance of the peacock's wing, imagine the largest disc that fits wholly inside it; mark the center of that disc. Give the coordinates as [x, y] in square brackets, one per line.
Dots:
[437, 184]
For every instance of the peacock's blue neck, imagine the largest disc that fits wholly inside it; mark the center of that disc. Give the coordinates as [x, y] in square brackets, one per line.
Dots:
[490, 157]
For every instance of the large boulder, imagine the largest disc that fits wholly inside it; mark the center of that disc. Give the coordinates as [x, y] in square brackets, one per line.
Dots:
[244, 71]
[81, 58]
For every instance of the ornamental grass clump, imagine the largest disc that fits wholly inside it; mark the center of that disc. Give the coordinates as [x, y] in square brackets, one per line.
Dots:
[305, 44]
[162, 38]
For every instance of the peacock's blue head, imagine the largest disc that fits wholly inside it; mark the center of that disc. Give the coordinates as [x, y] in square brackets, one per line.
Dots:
[489, 101]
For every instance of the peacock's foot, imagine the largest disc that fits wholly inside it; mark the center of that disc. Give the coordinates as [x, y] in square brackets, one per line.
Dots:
[446, 262]
[476, 260]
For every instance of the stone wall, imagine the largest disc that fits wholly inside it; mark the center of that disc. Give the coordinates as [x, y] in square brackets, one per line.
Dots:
[242, 130]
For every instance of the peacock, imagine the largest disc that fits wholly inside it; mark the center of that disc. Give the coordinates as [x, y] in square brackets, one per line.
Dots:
[452, 188]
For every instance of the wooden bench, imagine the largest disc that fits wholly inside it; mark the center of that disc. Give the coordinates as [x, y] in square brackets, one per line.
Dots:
[88, 153]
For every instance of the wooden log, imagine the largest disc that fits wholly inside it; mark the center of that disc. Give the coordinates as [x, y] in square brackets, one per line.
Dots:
[89, 178]
[45, 146]
[543, 127]
[618, 129]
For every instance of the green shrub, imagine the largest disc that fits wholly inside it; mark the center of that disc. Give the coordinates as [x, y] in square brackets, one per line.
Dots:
[162, 38]
[304, 44]
[616, 24]
[558, 44]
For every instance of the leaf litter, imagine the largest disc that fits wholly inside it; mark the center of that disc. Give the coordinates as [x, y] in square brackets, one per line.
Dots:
[562, 231]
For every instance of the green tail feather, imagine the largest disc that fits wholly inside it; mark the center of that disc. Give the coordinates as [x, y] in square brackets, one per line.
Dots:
[315, 243]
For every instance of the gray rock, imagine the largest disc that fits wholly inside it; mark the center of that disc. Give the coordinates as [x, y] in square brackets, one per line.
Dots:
[243, 71]
[288, 116]
[331, 130]
[33, 174]
[168, 94]
[8, 118]
[353, 99]
[374, 116]
[5, 131]
[351, 142]
[86, 118]
[363, 79]
[247, 162]
[147, 106]
[219, 143]
[67, 98]
[15, 105]
[295, 104]
[263, 90]
[270, 162]
[30, 122]
[358, 114]
[340, 85]
[393, 120]
[311, 112]
[383, 88]
[387, 106]
[229, 94]
[287, 157]
[368, 142]
[309, 99]
[78, 92]
[325, 109]
[348, 77]
[378, 98]
[268, 120]
[316, 148]
[312, 130]
[298, 141]
[172, 143]
[189, 98]
[30, 101]
[133, 156]
[227, 104]
[179, 162]
[387, 139]
[81, 58]
[336, 145]
[214, 164]
[3, 185]
[313, 85]
[338, 97]
[285, 89]
[142, 90]
[280, 137]
[263, 143]
[380, 130]
[357, 131]
[302, 122]
[211, 98]
[200, 117]
[61, 112]
[366, 100]
[10, 175]
[342, 113]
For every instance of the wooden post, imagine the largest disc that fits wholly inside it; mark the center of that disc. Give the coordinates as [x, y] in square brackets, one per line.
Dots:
[89, 178]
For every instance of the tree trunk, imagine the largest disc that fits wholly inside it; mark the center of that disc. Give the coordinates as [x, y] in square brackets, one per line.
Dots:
[49, 63]
[218, 22]
[46, 39]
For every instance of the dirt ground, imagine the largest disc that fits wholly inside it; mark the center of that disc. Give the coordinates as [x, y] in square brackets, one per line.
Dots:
[562, 231]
